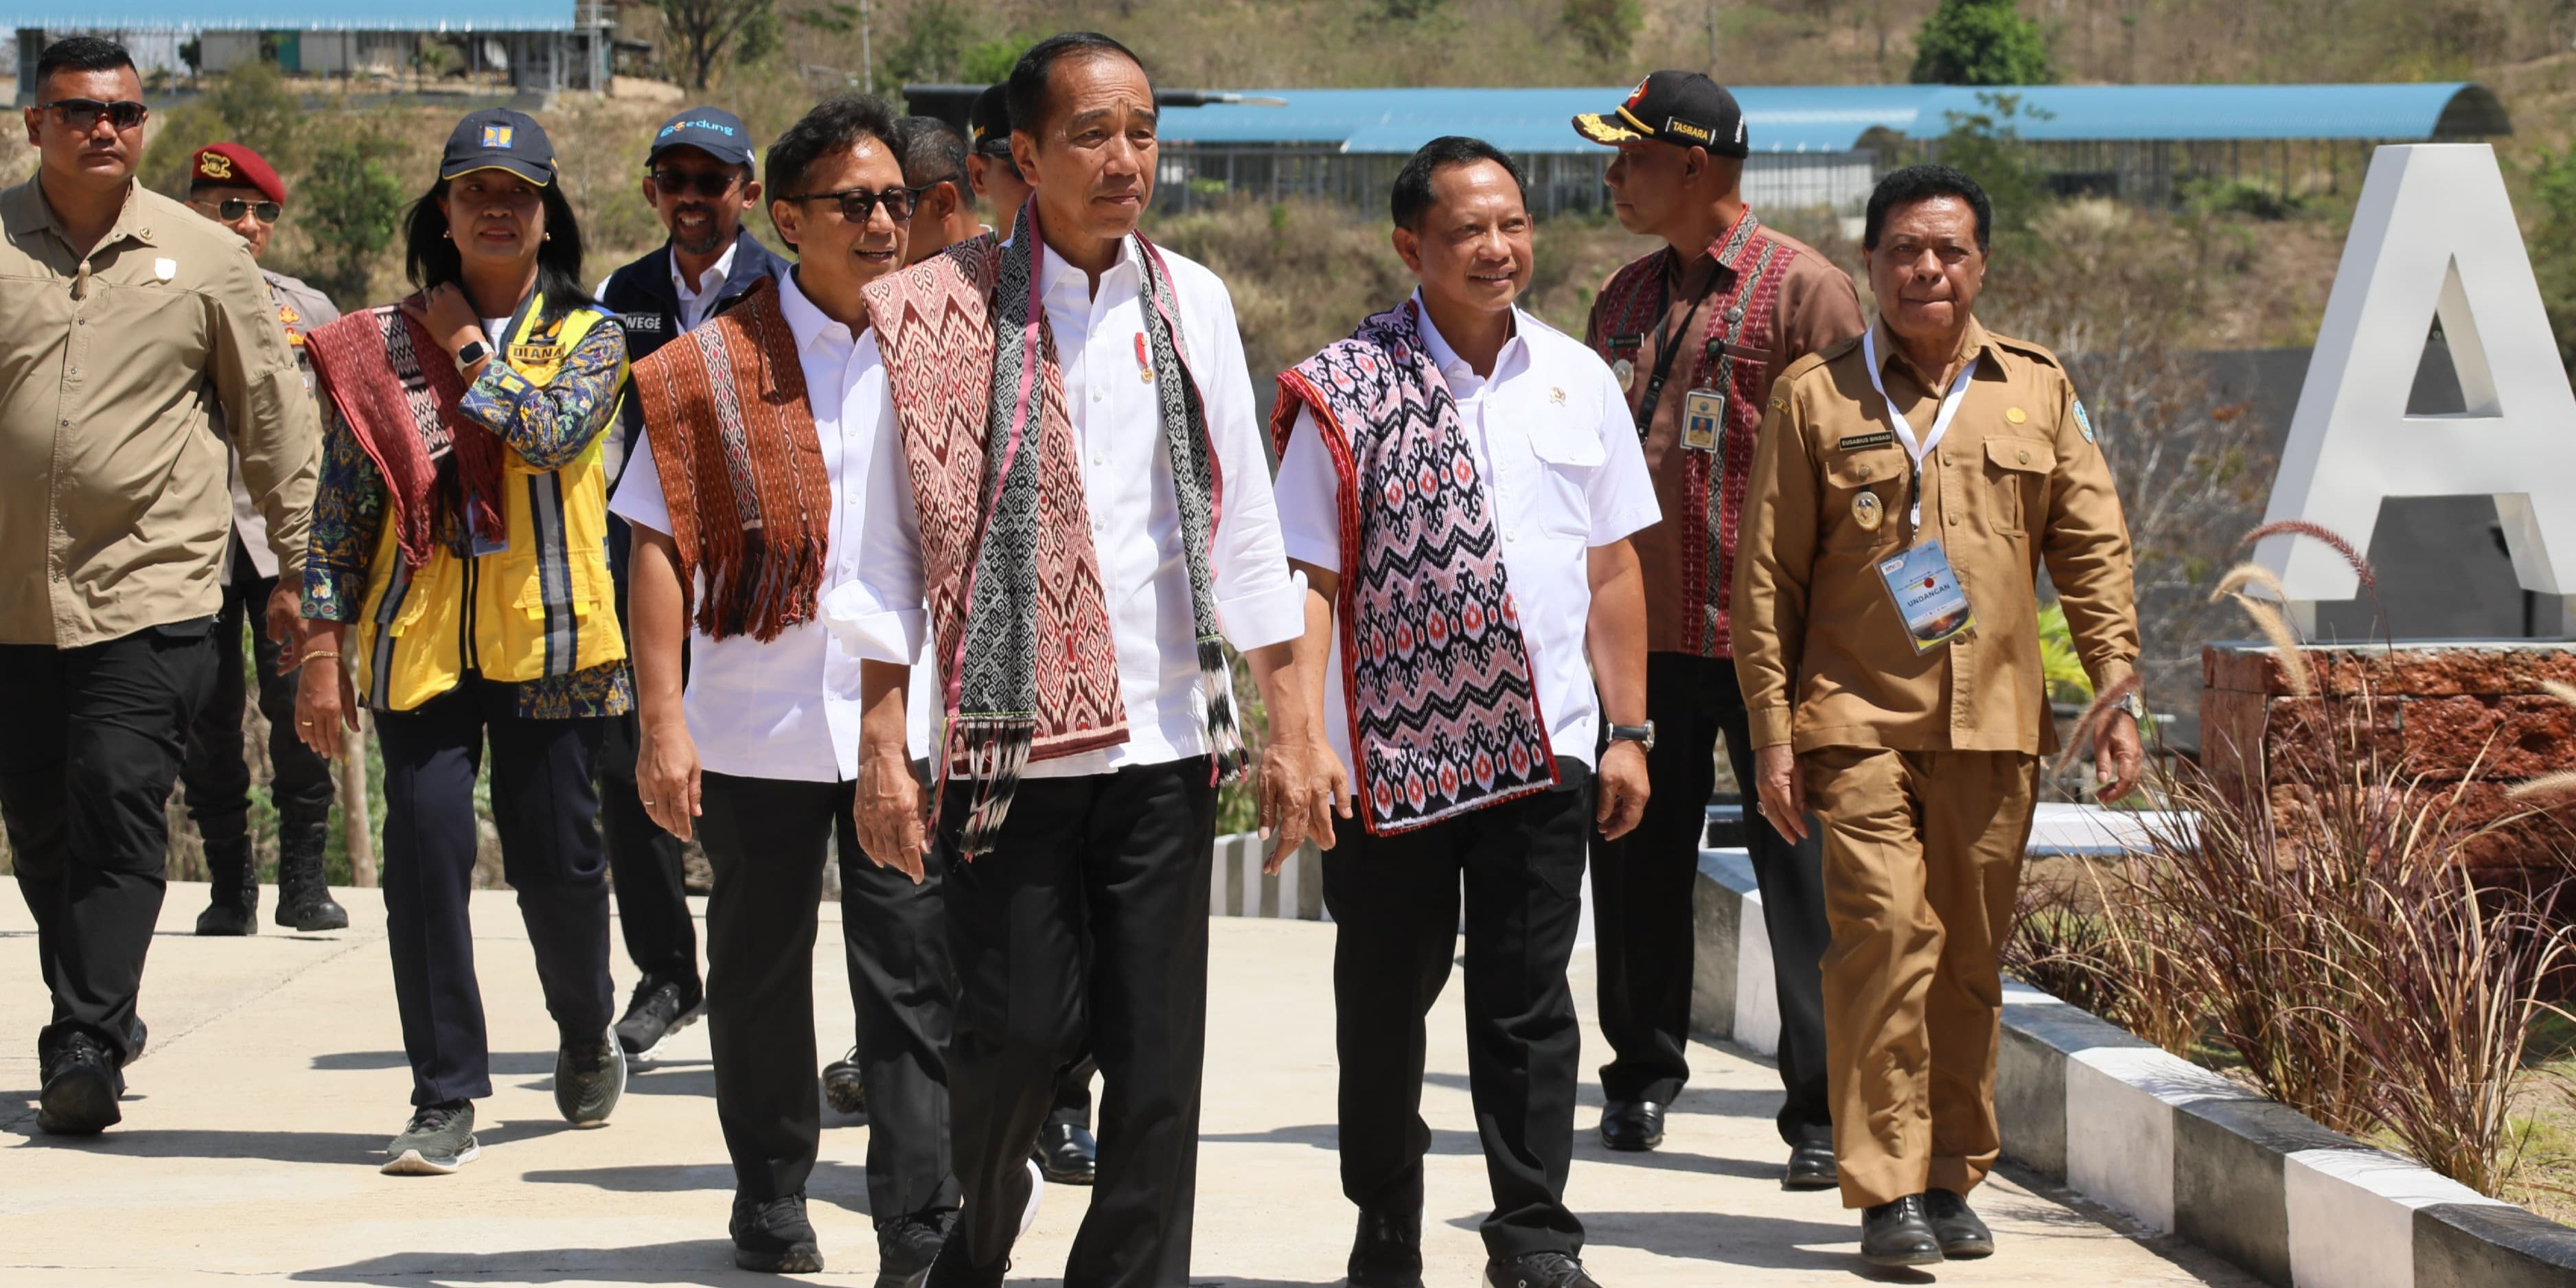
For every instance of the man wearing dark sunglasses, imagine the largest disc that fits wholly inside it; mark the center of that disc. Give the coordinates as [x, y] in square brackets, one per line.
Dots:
[126, 321]
[699, 178]
[236, 187]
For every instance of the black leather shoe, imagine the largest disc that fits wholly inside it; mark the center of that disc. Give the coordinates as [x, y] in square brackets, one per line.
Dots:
[1630, 1126]
[1066, 1153]
[1538, 1270]
[1811, 1167]
[1898, 1234]
[1387, 1251]
[772, 1235]
[82, 1083]
[1963, 1237]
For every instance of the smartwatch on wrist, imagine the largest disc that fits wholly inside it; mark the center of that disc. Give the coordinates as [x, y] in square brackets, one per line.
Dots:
[474, 351]
[1641, 734]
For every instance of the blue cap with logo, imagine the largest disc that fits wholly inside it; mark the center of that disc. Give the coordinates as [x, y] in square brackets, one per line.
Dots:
[497, 138]
[712, 130]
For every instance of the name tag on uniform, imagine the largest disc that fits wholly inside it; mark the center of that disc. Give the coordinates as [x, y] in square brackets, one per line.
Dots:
[1702, 413]
[535, 355]
[1856, 442]
[1928, 596]
[640, 321]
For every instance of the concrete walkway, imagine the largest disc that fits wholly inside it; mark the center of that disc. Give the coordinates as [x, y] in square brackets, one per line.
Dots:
[275, 1075]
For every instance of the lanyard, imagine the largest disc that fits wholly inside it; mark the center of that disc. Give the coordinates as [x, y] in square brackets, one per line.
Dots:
[1668, 344]
[1905, 433]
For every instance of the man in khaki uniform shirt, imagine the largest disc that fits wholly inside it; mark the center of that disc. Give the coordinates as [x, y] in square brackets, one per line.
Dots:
[1923, 764]
[124, 318]
[1703, 324]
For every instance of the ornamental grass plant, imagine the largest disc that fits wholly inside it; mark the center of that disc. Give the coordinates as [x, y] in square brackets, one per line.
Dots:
[2314, 931]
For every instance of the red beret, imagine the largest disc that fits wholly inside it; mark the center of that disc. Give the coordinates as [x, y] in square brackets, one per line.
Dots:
[231, 164]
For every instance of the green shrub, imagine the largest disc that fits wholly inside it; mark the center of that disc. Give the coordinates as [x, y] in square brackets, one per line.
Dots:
[1981, 42]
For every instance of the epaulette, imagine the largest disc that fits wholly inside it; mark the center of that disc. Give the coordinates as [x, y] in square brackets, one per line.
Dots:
[2036, 352]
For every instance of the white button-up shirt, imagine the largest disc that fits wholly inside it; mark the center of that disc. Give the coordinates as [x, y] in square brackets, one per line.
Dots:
[1135, 518]
[1558, 453]
[789, 708]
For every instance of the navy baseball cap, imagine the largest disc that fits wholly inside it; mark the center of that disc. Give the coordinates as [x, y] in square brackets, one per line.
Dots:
[712, 130]
[1685, 109]
[497, 138]
[990, 122]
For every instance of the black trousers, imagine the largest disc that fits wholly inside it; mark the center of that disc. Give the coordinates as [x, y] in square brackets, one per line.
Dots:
[1641, 904]
[766, 840]
[215, 772]
[1395, 903]
[545, 807]
[644, 867]
[90, 741]
[1118, 861]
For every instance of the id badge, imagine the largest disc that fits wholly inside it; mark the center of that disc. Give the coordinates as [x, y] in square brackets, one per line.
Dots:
[1701, 414]
[1928, 596]
[482, 546]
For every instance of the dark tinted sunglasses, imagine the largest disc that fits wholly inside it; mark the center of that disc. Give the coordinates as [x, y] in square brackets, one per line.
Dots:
[83, 113]
[858, 203]
[678, 183]
[232, 208]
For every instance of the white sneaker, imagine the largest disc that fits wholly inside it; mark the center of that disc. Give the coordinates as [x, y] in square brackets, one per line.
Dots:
[1037, 1190]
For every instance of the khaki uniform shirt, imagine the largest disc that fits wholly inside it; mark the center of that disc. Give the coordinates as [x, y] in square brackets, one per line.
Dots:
[1817, 308]
[300, 309]
[1824, 658]
[115, 508]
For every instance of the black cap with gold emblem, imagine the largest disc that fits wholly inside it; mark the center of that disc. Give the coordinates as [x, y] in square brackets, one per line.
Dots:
[1685, 109]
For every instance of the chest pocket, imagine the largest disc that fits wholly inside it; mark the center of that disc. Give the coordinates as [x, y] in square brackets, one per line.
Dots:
[1845, 521]
[2017, 474]
[1566, 452]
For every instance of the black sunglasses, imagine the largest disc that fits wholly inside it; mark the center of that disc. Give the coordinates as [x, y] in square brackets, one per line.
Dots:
[83, 113]
[676, 183]
[859, 203]
[232, 208]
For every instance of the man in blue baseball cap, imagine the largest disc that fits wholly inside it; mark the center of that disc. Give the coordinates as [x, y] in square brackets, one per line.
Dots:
[700, 178]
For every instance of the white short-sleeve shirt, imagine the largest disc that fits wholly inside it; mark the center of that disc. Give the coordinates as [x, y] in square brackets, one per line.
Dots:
[1557, 450]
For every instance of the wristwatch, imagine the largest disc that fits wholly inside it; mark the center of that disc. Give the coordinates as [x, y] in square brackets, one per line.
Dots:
[474, 351]
[1641, 734]
[2135, 705]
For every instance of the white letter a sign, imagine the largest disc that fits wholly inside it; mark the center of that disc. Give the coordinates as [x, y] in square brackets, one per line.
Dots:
[2434, 235]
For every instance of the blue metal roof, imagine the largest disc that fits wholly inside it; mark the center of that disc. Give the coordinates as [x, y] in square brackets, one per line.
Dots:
[288, 15]
[1833, 118]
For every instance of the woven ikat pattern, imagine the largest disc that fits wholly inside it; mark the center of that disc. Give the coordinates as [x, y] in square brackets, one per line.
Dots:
[1444, 718]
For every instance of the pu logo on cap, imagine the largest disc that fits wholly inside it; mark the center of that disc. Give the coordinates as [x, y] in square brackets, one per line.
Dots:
[215, 165]
[498, 136]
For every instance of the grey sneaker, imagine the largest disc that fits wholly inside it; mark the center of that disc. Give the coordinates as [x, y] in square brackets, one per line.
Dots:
[589, 1078]
[438, 1140]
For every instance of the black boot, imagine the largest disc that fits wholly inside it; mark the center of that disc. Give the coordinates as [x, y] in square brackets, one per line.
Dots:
[233, 908]
[303, 901]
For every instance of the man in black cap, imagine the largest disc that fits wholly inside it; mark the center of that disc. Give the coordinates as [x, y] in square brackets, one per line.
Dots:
[699, 178]
[1696, 333]
[988, 162]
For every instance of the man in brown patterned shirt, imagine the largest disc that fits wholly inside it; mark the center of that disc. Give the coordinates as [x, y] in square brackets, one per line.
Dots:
[1697, 331]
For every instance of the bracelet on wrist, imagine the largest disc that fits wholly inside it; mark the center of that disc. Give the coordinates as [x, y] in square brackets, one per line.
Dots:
[316, 656]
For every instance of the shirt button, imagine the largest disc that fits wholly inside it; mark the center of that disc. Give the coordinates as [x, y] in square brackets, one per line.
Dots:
[1095, 395]
[2025, 458]
[1954, 521]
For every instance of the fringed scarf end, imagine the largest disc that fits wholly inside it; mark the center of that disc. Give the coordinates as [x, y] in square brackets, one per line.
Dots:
[1225, 736]
[996, 750]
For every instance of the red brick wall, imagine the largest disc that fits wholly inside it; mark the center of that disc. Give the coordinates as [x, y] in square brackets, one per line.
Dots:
[2471, 721]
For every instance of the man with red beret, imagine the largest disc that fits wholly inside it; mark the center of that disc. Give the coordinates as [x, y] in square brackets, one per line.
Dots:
[236, 187]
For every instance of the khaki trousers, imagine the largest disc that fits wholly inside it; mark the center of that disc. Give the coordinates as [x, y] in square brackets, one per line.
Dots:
[1922, 851]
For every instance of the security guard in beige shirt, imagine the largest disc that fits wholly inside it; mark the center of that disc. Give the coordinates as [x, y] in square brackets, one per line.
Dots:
[1907, 487]
[125, 319]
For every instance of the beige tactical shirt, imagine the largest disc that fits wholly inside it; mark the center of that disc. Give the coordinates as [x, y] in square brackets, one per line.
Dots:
[114, 504]
[1824, 657]
[300, 309]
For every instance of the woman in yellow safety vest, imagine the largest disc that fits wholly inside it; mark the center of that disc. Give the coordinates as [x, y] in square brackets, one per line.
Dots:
[458, 585]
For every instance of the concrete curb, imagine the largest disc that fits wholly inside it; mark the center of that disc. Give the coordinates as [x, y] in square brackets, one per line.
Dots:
[2172, 1144]
[1237, 887]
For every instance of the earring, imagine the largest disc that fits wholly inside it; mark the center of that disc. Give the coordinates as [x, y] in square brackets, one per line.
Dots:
[547, 237]
[448, 233]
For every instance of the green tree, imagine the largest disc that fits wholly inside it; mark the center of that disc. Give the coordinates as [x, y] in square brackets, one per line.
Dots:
[1987, 145]
[990, 62]
[2553, 243]
[1981, 42]
[705, 33]
[1602, 27]
[249, 105]
[350, 206]
[931, 45]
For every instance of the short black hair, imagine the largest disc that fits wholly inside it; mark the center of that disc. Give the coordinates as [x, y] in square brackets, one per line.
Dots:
[1922, 183]
[1032, 78]
[1411, 198]
[81, 54]
[933, 152]
[832, 126]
